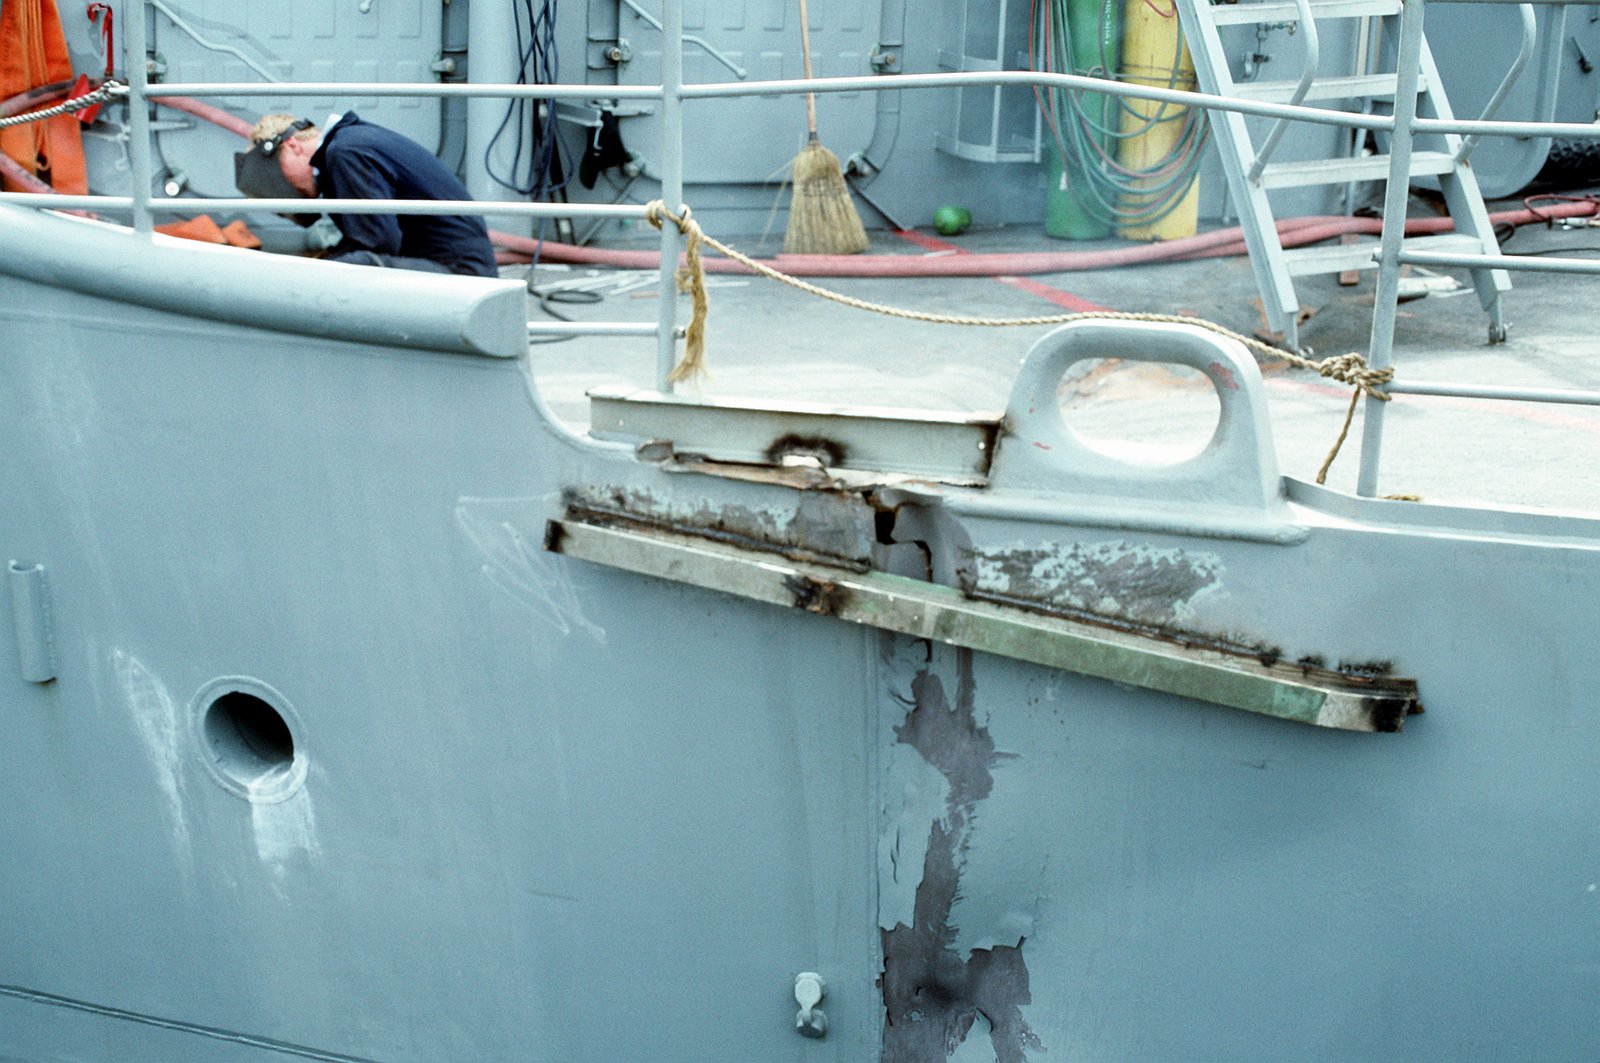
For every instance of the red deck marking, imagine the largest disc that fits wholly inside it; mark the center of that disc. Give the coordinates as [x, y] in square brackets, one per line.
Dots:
[1065, 300]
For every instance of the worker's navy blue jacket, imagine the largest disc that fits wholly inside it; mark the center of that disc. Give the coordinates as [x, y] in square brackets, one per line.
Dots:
[359, 160]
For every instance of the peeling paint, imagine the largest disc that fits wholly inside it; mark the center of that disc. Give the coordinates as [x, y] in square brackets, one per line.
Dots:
[838, 527]
[1128, 581]
[933, 997]
[700, 514]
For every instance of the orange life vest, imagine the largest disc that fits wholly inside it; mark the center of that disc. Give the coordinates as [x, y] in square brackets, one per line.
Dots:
[33, 52]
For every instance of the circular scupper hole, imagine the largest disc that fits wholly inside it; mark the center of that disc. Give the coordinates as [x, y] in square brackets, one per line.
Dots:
[1141, 413]
[250, 745]
[248, 736]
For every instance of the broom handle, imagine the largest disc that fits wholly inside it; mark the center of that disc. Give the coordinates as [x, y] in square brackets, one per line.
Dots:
[805, 57]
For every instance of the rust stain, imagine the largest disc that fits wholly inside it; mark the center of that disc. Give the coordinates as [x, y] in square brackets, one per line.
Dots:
[1388, 714]
[826, 452]
[818, 596]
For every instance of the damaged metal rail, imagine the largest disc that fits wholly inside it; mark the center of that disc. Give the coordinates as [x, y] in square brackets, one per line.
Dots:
[1260, 684]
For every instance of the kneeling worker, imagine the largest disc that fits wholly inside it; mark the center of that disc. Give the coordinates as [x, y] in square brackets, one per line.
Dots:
[359, 160]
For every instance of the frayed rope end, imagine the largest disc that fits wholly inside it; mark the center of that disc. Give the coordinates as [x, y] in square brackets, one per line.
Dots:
[692, 280]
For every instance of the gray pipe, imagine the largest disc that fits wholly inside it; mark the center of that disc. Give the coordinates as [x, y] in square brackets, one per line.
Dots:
[452, 148]
[135, 40]
[30, 614]
[492, 58]
[886, 121]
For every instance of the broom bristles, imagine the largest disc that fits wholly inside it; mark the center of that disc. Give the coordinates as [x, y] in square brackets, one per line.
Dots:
[822, 217]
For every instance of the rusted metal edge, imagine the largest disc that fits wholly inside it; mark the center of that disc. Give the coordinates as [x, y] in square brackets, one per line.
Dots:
[923, 444]
[933, 611]
[750, 545]
[1355, 674]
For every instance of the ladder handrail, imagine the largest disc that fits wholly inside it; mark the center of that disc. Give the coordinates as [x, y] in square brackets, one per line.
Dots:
[1308, 74]
[1529, 39]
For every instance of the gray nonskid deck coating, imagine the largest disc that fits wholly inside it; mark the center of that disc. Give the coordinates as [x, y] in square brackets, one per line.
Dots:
[771, 342]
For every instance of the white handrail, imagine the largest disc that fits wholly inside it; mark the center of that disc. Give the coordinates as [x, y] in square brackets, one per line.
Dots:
[1529, 34]
[879, 83]
[1313, 58]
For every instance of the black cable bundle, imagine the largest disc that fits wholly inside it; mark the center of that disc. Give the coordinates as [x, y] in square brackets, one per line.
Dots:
[537, 172]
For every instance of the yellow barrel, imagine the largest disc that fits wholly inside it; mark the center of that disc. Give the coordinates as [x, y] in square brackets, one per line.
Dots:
[1151, 43]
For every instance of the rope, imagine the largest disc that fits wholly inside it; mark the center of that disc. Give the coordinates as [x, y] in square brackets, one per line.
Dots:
[107, 91]
[691, 279]
[1351, 369]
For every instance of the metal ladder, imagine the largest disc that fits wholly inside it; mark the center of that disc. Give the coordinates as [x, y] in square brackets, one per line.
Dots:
[1251, 173]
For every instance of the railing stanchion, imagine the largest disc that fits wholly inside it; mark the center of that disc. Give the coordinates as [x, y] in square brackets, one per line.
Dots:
[1386, 301]
[139, 165]
[671, 185]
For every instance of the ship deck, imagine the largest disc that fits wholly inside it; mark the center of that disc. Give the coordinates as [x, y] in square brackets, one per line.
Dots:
[769, 342]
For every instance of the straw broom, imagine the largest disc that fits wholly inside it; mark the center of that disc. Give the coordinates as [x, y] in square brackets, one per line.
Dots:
[822, 219]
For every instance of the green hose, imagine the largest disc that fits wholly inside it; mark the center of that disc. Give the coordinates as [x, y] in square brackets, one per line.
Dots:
[1089, 194]
[1092, 42]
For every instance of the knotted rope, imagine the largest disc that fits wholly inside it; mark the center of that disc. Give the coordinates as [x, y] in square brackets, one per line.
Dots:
[1351, 369]
[691, 279]
[107, 91]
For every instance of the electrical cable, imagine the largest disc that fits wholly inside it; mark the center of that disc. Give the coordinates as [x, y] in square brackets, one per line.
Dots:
[210, 45]
[1591, 249]
[571, 296]
[539, 172]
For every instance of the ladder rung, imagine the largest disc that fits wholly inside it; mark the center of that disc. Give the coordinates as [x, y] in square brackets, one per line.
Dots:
[1363, 87]
[1343, 171]
[1336, 258]
[1276, 11]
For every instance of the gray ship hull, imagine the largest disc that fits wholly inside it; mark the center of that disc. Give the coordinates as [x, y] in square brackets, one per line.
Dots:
[339, 726]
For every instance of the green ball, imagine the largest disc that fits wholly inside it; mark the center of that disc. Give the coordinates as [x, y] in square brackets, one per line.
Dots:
[952, 221]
